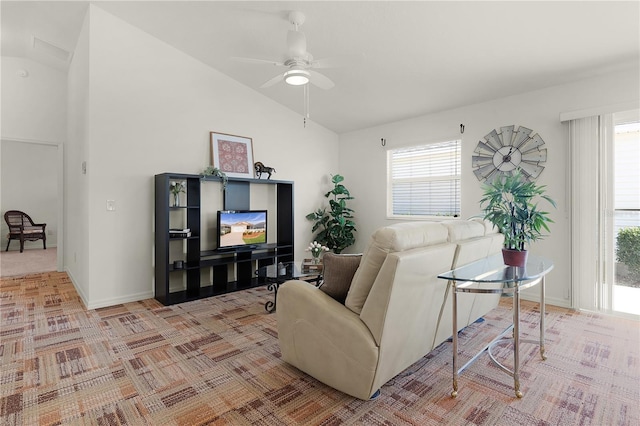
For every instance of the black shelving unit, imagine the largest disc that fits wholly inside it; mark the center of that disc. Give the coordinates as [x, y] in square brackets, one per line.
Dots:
[231, 270]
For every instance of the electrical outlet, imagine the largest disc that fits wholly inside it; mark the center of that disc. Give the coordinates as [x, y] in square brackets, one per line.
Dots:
[567, 293]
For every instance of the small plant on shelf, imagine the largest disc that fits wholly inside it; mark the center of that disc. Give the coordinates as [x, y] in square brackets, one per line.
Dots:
[214, 171]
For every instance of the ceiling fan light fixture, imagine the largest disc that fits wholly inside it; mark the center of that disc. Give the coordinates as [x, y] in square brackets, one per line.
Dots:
[296, 77]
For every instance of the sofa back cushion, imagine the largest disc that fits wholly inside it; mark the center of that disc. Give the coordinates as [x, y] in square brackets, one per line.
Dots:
[460, 230]
[390, 239]
[489, 228]
[372, 259]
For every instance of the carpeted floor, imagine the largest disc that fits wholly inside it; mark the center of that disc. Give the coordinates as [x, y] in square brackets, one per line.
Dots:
[217, 361]
[30, 261]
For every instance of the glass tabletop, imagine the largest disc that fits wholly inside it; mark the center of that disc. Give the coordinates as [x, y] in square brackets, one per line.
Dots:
[493, 270]
[283, 271]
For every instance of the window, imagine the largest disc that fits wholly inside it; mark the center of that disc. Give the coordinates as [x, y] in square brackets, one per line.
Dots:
[424, 180]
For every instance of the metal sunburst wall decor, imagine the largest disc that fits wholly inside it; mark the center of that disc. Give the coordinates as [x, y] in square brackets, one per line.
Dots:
[508, 150]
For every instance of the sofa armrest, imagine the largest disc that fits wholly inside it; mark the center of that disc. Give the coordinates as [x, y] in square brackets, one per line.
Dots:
[326, 340]
[300, 301]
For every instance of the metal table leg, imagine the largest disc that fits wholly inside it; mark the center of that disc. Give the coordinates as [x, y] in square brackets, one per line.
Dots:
[271, 306]
[516, 341]
[454, 296]
[542, 327]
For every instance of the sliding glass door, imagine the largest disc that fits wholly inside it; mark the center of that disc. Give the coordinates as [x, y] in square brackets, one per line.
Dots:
[606, 213]
[625, 288]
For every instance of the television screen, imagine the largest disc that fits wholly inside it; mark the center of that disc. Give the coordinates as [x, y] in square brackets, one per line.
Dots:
[238, 228]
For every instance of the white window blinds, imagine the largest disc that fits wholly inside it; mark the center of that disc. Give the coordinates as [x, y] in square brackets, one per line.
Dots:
[425, 180]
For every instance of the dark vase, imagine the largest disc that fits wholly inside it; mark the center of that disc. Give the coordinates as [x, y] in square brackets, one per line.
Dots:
[514, 257]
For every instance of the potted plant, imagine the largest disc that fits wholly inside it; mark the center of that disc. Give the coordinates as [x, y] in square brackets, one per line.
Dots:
[336, 225]
[510, 202]
[214, 171]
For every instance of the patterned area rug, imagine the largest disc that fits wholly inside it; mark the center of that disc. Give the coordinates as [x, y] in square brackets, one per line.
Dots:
[217, 361]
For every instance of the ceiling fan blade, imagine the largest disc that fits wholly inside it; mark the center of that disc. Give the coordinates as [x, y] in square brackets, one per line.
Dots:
[337, 61]
[297, 43]
[258, 61]
[271, 82]
[320, 80]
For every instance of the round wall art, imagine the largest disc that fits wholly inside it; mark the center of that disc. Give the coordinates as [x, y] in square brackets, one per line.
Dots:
[508, 150]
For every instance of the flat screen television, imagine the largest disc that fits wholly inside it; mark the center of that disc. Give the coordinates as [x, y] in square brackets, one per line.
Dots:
[239, 229]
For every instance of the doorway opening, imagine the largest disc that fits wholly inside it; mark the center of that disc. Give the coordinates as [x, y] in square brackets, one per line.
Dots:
[32, 181]
[626, 214]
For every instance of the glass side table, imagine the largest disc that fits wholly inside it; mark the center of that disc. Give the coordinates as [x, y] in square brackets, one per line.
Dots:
[491, 276]
[277, 274]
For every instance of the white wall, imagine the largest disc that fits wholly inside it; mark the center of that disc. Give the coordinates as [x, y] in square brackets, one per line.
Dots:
[33, 121]
[150, 110]
[76, 200]
[33, 107]
[363, 160]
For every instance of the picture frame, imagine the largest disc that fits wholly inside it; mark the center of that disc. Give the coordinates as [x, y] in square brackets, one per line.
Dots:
[232, 154]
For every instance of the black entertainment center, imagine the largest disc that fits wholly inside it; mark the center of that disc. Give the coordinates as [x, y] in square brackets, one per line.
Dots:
[184, 270]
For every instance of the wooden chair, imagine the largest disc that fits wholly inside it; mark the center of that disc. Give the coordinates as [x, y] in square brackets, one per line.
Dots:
[22, 228]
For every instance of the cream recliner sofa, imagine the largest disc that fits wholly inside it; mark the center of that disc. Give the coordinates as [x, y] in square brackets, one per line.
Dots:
[396, 311]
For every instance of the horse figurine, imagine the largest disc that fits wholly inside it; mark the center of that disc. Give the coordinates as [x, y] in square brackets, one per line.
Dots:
[261, 168]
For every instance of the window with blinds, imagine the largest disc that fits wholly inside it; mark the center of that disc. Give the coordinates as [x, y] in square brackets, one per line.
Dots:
[424, 180]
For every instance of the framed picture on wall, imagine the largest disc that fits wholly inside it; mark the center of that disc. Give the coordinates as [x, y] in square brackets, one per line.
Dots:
[232, 154]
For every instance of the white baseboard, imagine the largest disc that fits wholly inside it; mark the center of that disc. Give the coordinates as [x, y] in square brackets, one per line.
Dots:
[548, 301]
[83, 297]
[96, 304]
[16, 246]
[121, 299]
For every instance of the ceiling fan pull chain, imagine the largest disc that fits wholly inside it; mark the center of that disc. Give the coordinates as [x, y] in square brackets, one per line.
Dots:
[306, 103]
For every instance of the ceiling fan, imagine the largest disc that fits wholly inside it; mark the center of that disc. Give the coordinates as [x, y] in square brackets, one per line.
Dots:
[300, 64]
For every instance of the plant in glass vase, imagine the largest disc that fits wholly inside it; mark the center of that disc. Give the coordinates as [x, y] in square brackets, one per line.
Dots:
[176, 188]
[316, 250]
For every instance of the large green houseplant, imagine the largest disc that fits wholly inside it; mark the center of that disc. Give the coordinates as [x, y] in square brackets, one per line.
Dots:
[510, 202]
[335, 225]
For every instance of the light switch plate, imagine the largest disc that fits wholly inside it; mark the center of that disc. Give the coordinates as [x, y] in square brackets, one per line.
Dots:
[111, 205]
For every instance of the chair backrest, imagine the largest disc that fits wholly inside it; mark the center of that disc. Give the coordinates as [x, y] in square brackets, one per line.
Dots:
[16, 218]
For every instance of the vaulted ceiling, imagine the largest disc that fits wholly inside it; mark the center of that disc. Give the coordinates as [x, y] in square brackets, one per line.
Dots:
[405, 59]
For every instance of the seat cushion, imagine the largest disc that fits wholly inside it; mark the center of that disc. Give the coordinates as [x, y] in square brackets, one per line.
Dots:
[32, 231]
[338, 271]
